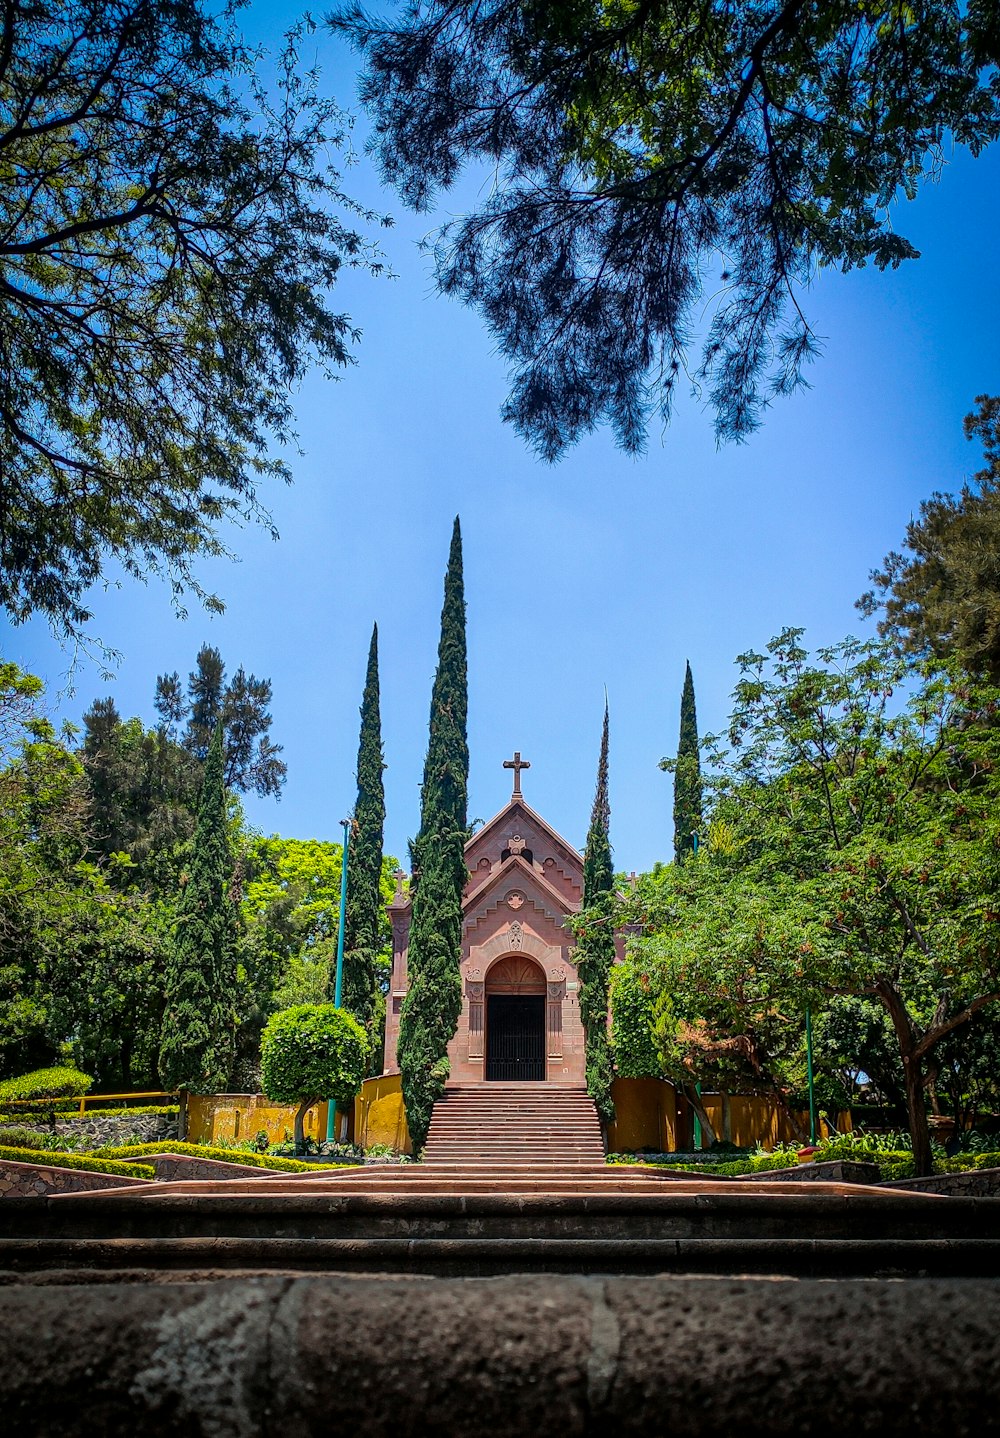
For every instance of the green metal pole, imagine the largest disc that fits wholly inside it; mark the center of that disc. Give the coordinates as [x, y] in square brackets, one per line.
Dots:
[343, 911]
[331, 1107]
[696, 1133]
[809, 1074]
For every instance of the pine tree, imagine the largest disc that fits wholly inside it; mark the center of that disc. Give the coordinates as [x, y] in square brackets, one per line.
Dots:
[362, 927]
[687, 775]
[196, 1044]
[595, 950]
[434, 999]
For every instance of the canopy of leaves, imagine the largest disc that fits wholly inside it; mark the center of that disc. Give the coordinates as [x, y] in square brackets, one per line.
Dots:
[169, 233]
[251, 759]
[311, 1052]
[632, 1022]
[942, 596]
[861, 856]
[649, 159]
[47, 1083]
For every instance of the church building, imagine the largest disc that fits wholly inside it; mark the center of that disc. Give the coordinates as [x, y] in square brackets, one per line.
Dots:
[520, 1015]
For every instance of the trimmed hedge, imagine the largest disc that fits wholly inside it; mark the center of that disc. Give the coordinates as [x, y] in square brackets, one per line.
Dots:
[85, 1163]
[225, 1155]
[46, 1083]
[67, 1110]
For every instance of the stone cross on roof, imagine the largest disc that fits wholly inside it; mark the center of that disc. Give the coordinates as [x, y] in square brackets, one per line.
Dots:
[517, 764]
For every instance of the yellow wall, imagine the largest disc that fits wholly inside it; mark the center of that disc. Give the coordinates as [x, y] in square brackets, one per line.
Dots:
[379, 1116]
[648, 1116]
[645, 1116]
[243, 1115]
[756, 1120]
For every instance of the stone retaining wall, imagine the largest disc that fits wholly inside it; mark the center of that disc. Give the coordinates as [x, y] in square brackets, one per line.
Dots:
[837, 1170]
[171, 1166]
[974, 1183]
[576, 1356]
[34, 1180]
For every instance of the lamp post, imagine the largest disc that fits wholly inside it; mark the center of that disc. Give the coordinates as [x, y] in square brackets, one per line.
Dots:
[331, 1107]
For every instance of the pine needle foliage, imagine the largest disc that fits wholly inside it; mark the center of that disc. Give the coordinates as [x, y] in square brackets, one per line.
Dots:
[687, 775]
[434, 999]
[197, 1037]
[595, 950]
[362, 926]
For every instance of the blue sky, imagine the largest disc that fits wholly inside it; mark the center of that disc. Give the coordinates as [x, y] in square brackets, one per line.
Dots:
[599, 571]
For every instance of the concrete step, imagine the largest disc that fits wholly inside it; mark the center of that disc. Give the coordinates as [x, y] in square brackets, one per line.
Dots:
[119, 1259]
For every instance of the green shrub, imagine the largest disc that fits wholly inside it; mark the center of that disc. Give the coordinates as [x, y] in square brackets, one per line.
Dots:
[86, 1164]
[198, 1150]
[986, 1160]
[894, 1165]
[313, 1052]
[45, 1083]
[861, 1146]
[16, 1136]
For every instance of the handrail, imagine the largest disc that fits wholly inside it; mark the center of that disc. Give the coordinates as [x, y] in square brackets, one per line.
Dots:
[93, 1098]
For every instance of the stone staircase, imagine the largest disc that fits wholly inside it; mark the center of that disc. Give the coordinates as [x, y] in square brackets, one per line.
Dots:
[517, 1126]
[513, 1181]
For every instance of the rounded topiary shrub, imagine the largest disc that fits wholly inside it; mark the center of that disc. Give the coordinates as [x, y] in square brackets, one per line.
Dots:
[313, 1052]
[60, 1082]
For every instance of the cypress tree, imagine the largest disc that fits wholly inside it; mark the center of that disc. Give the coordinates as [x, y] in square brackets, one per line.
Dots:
[434, 997]
[687, 775]
[196, 1040]
[595, 950]
[362, 926]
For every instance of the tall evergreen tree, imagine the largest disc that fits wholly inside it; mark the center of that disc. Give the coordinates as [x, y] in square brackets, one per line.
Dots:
[687, 775]
[595, 950]
[363, 922]
[196, 1043]
[434, 1000]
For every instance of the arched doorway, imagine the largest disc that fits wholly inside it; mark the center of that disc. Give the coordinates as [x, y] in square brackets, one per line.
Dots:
[515, 1020]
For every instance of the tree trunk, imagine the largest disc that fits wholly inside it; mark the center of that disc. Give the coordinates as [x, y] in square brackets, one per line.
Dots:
[693, 1098]
[300, 1115]
[917, 1112]
[727, 1119]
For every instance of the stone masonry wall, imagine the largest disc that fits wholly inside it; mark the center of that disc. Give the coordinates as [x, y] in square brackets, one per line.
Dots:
[35, 1180]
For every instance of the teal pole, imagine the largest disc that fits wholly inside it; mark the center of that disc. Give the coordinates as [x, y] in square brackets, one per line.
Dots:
[696, 1133]
[331, 1107]
[809, 1075]
[343, 911]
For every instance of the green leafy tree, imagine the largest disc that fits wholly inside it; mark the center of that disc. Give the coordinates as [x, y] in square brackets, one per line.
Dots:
[196, 1045]
[45, 890]
[862, 853]
[251, 758]
[171, 229]
[942, 596]
[143, 789]
[595, 943]
[310, 1053]
[365, 917]
[434, 998]
[655, 159]
[633, 1021]
[686, 769]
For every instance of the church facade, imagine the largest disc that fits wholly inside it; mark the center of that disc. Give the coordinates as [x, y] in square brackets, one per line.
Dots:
[520, 1016]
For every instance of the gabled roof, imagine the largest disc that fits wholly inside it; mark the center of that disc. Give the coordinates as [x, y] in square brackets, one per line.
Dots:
[515, 866]
[502, 817]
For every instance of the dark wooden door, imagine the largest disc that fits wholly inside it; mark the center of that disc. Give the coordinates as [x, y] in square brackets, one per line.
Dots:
[515, 1037]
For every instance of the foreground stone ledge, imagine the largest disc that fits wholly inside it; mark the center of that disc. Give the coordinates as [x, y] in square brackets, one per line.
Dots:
[513, 1356]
